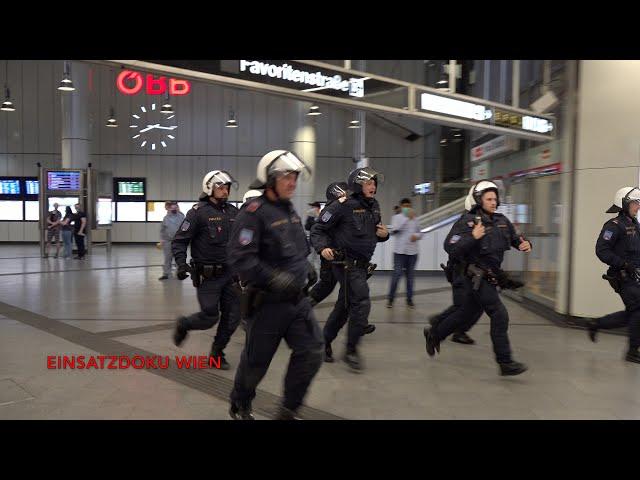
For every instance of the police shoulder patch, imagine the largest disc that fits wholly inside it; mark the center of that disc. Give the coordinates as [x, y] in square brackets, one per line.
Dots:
[607, 234]
[470, 224]
[454, 239]
[246, 235]
[185, 225]
[326, 216]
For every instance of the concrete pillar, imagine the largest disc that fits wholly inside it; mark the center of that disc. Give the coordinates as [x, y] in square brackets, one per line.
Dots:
[303, 143]
[515, 83]
[76, 132]
[360, 134]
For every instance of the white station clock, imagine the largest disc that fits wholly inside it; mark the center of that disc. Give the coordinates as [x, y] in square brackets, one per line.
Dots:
[156, 131]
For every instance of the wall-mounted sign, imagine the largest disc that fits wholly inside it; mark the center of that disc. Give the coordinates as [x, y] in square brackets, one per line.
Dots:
[152, 129]
[480, 170]
[297, 76]
[423, 188]
[493, 147]
[353, 86]
[131, 83]
[487, 114]
[552, 169]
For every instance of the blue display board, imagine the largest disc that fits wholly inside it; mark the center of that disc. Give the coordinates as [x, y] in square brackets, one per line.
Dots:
[63, 180]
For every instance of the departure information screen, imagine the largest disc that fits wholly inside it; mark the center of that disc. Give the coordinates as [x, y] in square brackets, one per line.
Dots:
[33, 187]
[10, 186]
[131, 188]
[63, 180]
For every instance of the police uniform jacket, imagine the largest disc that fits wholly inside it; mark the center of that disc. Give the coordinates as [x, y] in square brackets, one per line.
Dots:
[487, 252]
[619, 242]
[351, 226]
[207, 227]
[268, 237]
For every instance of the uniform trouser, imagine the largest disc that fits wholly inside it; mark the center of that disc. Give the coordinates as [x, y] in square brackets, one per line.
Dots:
[265, 329]
[407, 264]
[327, 283]
[459, 295]
[356, 308]
[168, 257]
[80, 244]
[485, 299]
[214, 293]
[630, 294]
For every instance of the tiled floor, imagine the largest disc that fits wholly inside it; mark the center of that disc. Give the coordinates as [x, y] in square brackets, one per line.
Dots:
[115, 303]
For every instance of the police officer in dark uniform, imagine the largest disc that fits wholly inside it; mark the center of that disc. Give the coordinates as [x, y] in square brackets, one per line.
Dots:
[268, 250]
[479, 240]
[618, 246]
[454, 271]
[354, 227]
[207, 227]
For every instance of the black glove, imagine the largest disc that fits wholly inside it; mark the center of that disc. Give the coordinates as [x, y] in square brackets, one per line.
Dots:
[370, 269]
[312, 276]
[283, 282]
[183, 271]
[630, 269]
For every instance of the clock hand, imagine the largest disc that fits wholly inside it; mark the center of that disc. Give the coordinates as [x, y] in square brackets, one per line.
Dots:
[149, 127]
[168, 128]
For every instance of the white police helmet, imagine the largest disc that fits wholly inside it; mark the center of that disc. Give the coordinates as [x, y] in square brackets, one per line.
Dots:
[217, 178]
[250, 195]
[623, 198]
[276, 163]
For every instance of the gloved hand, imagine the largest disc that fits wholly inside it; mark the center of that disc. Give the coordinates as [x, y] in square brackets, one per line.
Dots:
[183, 271]
[283, 282]
[630, 269]
[312, 276]
[370, 269]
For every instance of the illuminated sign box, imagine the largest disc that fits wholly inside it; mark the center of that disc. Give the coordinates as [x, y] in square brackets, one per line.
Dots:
[63, 180]
[10, 187]
[485, 114]
[423, 188]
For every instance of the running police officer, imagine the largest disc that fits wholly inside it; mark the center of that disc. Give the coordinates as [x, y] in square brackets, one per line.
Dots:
[354, 227]
[479, 240]
[619, 247]
[336, 191]
[268, 250]
[207, 227]
[455, 275]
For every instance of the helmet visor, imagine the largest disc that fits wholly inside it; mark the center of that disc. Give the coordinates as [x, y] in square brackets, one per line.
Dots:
[633, 195]
[223, 178]
[367, 173]
[289, 163]
[337, 191]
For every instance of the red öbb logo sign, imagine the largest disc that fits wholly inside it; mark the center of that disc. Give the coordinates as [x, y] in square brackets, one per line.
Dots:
[131, 83]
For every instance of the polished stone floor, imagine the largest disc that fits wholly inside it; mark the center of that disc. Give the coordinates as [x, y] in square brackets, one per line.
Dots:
[113, 304]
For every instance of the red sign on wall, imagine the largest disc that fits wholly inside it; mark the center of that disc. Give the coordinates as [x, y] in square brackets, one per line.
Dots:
[131, 83]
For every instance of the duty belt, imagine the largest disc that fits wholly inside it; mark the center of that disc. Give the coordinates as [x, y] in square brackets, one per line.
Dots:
[355, 263]
[212, 270]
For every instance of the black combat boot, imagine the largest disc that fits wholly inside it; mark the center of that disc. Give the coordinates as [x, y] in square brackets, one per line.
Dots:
[512, 368]
[328, 353]
[462, 337]
[633, 356]
[180, 333]
[431, 344]
[238, 413]
[286, 414]
[370, 328]
[215, 353]
[592, 327]
[353, 360]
